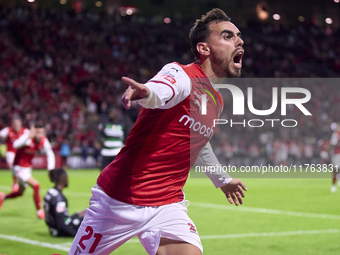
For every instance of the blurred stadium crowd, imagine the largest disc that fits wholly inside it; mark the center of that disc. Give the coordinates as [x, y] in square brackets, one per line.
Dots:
[64, 69]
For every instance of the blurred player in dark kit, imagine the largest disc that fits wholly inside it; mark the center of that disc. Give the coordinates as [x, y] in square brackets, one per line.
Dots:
[60, 223]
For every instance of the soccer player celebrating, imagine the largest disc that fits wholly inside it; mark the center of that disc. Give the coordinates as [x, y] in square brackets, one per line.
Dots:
[27, 145]
[60, 223]
[11, 134]
[140, 192]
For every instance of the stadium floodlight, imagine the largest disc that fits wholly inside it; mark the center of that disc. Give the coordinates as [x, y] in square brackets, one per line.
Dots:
[127, 10]
[276, 16]
[301, 18]
[262, 12]
[333, 126]
[167, 20]
[328, 20]
[99, 4]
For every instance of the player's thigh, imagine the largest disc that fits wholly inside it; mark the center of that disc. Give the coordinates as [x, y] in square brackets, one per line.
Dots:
[32, 182]
[87, 238]
[97, 234]
[107, 224]
[170, 222]
[22, 173]
[336, 160]
[175, 247]
[10, 158]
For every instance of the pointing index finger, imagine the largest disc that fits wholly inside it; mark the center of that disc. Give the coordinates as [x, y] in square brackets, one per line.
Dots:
[132, 83]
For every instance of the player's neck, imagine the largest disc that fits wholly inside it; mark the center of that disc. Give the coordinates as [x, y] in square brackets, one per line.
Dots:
[213, 76]
[59, 187]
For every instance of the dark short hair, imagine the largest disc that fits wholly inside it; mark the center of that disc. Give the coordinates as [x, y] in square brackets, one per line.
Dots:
[200, 31]
[39, 125]
[16, 118]
[56, 174]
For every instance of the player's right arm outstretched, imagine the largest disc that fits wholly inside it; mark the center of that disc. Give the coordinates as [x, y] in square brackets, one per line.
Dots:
[135, 91]
[168, 88]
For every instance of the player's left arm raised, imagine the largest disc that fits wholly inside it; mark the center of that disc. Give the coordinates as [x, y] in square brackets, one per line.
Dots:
[24, 139]
[50, 155]
[232, 188]
[4, 132]
[135, 91]
[234, 191]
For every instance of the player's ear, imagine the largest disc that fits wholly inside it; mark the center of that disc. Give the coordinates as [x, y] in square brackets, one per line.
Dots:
[203, 48]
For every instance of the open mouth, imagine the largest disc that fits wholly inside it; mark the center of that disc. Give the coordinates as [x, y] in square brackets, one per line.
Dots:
[238, 59]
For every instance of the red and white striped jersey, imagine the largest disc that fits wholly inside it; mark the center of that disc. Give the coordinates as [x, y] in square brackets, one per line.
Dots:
[153, 166]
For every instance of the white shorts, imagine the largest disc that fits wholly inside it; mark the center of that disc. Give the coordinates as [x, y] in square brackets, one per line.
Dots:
[324, 155]
[336, 160]
[22, 173]
[108, 223]
[281, 157]
[10, 158]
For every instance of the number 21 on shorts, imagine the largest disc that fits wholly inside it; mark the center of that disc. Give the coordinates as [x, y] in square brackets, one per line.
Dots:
[97, 237]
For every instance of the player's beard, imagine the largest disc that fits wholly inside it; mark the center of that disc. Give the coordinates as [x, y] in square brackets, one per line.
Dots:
[227, 66]
[37, 140]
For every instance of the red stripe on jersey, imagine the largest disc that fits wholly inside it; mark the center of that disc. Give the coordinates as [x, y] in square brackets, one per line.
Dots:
[173, 91]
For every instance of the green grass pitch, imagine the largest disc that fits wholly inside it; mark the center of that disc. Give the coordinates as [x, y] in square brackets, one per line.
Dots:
[279, 216]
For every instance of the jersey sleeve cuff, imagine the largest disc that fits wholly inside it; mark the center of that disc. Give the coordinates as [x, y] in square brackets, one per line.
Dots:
[220, 182]
[160, 94]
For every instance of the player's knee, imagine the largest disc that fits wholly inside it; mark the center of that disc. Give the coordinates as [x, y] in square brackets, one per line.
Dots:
[191, 251]
[36, 186]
